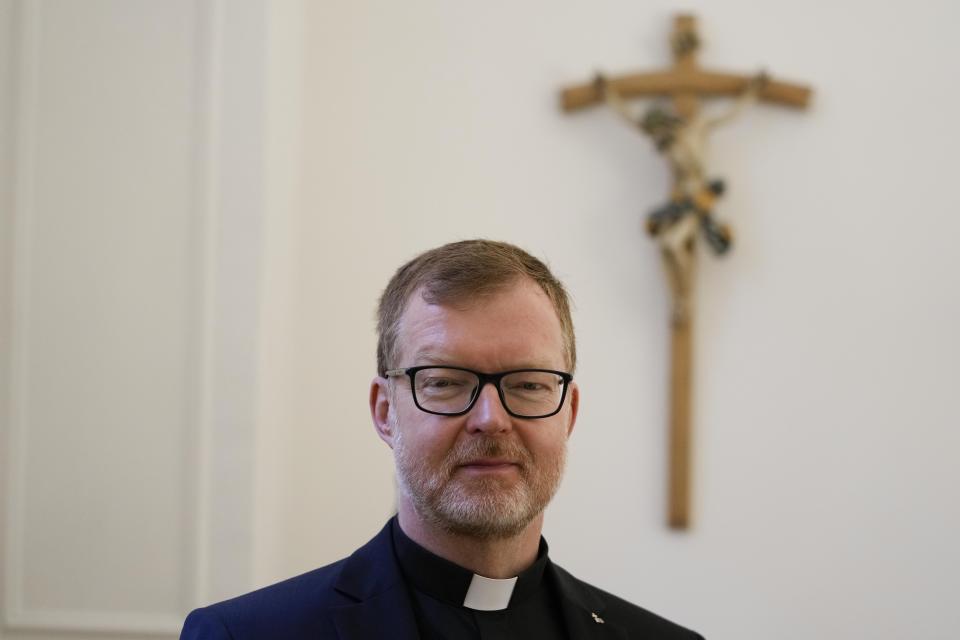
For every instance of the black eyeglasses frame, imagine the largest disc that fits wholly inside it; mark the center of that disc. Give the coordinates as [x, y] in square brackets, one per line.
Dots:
[492, 378]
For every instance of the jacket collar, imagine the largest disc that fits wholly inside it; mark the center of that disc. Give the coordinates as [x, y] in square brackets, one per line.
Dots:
[383, 608]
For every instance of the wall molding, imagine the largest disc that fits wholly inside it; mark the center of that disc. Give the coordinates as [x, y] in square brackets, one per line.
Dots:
[86, 622]
[219, 446]
[25, 75]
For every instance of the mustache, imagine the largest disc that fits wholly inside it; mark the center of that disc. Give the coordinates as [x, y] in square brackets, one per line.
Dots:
[472, 449]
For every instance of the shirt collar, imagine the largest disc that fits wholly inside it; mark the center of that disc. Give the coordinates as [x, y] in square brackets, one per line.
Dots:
[451, 583]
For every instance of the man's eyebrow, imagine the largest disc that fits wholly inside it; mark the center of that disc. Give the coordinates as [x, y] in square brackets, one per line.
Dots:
[426, 356]
[429, 357]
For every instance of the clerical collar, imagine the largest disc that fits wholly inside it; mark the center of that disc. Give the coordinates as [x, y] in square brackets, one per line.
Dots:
[451, 583]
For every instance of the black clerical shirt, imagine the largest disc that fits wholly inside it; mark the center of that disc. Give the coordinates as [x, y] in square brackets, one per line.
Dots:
[438, 589]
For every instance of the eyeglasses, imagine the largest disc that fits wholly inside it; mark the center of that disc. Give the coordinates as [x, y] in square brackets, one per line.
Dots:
[452, 391]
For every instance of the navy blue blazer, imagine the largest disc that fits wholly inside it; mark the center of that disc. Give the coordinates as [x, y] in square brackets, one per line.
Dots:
[364, 597]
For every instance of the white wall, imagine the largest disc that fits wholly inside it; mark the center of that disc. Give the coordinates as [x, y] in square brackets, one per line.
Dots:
[262, 168]
[827, 357]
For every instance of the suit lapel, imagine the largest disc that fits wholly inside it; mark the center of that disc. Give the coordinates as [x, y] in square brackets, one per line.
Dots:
[387, 615]
[583, 609]
[383, 609]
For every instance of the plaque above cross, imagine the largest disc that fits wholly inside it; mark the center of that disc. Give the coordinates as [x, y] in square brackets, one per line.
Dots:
[680, 134]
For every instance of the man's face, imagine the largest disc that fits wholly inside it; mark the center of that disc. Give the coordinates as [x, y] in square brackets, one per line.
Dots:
[484, 474]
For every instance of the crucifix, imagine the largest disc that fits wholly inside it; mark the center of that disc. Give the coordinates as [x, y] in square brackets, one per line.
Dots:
[679, 133]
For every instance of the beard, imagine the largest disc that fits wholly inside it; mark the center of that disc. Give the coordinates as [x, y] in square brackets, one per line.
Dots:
[485, 507]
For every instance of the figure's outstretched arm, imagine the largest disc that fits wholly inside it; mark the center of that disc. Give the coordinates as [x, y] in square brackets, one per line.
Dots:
[746, 99]
[613, 99]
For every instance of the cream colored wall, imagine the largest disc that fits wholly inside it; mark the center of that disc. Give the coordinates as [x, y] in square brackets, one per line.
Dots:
[131, 202]
[826, 428]
[318, 145]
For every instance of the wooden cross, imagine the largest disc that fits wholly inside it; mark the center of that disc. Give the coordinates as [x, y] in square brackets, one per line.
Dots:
[681, 137]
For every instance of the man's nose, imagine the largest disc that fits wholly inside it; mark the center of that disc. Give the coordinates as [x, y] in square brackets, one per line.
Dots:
[488, 414]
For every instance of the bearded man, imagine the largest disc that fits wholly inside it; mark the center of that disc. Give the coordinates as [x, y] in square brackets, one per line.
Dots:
[475, 395]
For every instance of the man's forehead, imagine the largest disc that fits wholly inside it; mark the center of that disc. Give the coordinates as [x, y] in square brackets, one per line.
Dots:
[516, 318]
[523, 287]
[437, 355]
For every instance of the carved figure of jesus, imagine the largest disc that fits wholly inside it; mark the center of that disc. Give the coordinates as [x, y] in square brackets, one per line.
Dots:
[683, 143]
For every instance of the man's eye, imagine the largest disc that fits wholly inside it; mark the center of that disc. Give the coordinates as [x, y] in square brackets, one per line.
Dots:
[528, 386]
[439, 383]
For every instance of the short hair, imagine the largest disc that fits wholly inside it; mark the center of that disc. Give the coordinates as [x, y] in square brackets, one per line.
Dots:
[459, 271]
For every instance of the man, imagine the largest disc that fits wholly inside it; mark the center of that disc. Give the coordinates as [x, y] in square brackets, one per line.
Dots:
[475, 395]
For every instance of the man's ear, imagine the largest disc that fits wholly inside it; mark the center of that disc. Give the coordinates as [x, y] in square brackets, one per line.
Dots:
[380, 409]
[574, 393]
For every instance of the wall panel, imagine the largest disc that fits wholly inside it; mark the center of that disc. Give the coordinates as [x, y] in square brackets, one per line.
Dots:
[120, 434]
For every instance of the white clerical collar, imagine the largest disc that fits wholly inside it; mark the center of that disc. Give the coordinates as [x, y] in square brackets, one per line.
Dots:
[456, 586]
[489, 594]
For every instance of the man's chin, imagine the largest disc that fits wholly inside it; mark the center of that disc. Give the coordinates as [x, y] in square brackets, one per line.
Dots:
[483, 526]
[484, 506]
[486, 512]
